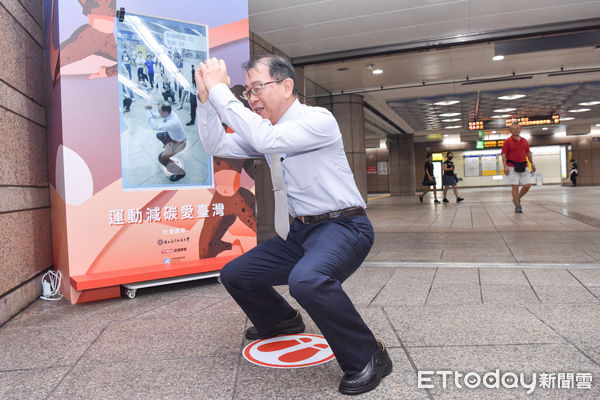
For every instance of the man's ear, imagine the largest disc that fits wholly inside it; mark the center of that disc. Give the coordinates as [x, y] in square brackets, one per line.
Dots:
[288, 85]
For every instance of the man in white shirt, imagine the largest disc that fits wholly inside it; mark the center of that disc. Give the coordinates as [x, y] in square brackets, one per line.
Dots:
[171, 134]
[330, 234]
[140, 62]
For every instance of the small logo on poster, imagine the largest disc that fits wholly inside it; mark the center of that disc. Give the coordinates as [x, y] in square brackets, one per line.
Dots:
[167, 261]
[160, 242]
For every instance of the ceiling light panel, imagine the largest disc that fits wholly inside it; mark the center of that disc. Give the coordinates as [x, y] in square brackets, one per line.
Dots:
[512, 96]
[447, 102]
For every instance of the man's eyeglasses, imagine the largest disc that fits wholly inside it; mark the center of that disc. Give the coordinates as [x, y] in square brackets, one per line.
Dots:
[257, 89]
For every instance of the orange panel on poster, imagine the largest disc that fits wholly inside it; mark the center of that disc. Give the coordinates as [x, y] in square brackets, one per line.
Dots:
[104, 279]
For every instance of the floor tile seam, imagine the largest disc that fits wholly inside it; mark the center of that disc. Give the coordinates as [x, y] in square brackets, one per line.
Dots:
[382, 287]
[20, 312]
[232, 355]
[449, 285]
[473, 303]
[471, 214]
[531, 286]
[77, 322]
[510, 217]
[507, 304]
[582, 284]
[482, 307]
[17, 325]
[441, 346]
[437, 216]
[564, 338]
[406, 352]
[50, 367]
[480, 287]
[590, 255]
[508, 228]
[469, 264]
[564, 284]
[239, 364]
[166, 304]
[416, 219]
[152, 309]
[430, 286]
[49, 395]
[491, 219]
[584, 219]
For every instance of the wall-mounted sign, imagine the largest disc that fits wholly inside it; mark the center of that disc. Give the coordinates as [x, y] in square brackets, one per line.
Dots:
[523, 121]
[489, 144]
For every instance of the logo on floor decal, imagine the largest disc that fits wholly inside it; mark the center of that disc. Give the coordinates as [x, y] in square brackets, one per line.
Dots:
[289, 351]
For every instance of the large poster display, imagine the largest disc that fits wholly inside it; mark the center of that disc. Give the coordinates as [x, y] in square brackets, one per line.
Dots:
[157, 60]
[134, 196]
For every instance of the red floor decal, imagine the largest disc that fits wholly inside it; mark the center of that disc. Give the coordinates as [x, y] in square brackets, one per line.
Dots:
[289, 351]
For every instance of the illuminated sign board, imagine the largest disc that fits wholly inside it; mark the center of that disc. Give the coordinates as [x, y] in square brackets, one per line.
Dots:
[523, 121]
[489, 144]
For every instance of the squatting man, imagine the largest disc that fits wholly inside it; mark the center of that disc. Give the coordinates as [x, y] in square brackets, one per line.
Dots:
[330, 234]
[171, 135]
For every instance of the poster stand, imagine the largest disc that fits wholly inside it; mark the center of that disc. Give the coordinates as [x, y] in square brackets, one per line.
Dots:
[134, 202]
[131, 288]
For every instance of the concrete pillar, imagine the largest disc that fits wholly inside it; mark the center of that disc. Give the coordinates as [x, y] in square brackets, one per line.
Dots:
[349, 112]
[402, 165]
[586, 151]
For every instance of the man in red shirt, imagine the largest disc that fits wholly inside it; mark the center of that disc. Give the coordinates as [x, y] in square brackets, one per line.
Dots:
[515, 153]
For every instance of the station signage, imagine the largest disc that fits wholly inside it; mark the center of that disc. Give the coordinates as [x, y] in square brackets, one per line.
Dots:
[523, 121]
[489, 144]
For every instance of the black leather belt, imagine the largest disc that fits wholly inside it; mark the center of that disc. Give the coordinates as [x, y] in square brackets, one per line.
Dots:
[346, 212]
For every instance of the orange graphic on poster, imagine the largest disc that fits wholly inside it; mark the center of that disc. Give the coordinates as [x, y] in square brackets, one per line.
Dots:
[94, 42]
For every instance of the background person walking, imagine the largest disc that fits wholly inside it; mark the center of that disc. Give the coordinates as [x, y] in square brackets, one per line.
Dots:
[449, 178]
[515, 153]
[574, 172]
[429, 179]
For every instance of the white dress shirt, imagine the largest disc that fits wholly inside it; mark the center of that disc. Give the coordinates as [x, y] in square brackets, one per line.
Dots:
[317, 176]
[171, 124]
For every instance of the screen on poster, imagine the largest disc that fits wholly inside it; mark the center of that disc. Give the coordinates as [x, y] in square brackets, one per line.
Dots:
[160, 148]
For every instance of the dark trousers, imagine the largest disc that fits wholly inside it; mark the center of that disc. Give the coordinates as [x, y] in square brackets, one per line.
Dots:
[193, 105]
[168, 93]
[314, 261]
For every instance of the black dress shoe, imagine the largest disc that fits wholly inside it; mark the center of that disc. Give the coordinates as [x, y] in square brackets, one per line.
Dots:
[370, 377]
[190, 123]
[286, 327]
[175, 178]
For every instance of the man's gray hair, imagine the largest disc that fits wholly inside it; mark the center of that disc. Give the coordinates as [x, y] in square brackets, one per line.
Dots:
[279, 67]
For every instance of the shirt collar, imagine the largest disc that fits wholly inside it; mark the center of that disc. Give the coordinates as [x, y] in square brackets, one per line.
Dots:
[292, 112]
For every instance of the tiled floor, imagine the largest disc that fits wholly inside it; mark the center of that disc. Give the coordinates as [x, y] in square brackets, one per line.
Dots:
[468, 288]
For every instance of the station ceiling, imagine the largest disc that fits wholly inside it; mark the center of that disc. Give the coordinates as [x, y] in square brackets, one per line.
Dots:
[431, 51]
